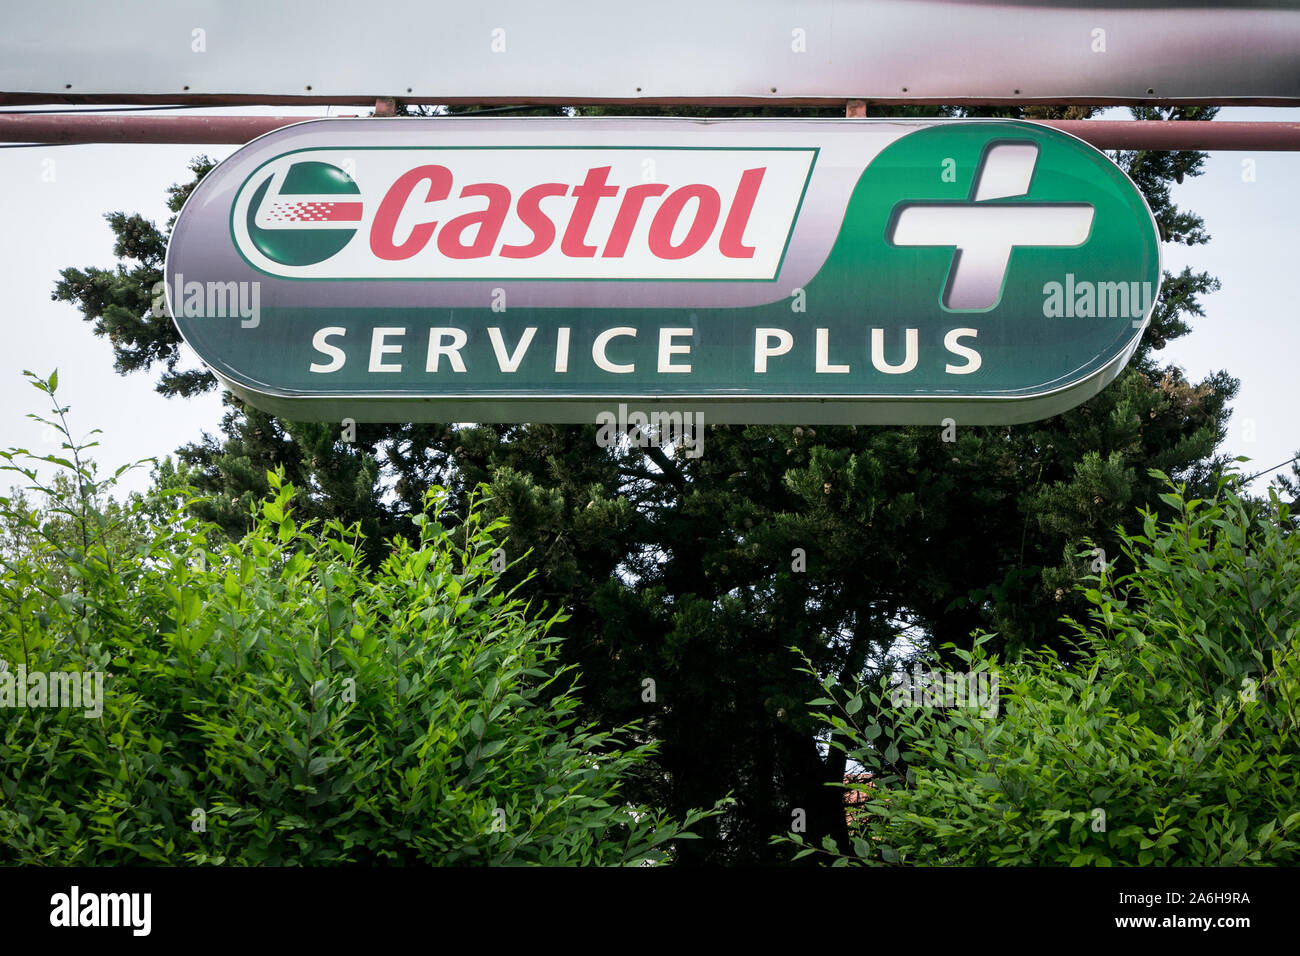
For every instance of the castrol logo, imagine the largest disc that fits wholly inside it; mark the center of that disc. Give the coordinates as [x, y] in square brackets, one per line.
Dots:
[595, 213]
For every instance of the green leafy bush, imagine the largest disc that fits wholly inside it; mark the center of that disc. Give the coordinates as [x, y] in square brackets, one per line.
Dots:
[274, 702]
[1172, 738]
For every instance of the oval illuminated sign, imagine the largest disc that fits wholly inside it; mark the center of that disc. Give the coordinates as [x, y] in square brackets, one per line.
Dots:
[865, 271]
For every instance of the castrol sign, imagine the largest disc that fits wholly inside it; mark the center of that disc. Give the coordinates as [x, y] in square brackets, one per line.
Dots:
[886, 271]
[496, 214]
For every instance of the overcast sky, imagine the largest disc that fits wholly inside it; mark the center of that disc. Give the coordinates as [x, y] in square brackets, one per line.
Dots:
[54, 200]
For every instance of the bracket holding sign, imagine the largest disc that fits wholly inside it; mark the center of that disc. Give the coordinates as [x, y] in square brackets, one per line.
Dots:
[544, 269]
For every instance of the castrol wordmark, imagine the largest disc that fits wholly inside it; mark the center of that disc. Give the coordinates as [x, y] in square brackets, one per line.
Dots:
[483, 213]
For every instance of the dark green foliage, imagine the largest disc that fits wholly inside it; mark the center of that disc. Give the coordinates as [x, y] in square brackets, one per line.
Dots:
[276, 700]
[1172, 739]
[124, 303]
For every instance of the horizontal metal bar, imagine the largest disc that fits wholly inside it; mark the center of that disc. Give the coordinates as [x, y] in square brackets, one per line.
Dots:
[776, 100]
[134, 128]
[1188, 134]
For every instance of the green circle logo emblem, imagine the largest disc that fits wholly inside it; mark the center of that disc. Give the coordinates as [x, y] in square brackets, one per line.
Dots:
[301, 217]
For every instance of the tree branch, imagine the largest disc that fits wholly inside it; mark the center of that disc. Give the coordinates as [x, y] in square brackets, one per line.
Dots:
[674, 476]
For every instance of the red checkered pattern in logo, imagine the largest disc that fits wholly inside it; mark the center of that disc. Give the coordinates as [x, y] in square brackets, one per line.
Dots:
[313, 212]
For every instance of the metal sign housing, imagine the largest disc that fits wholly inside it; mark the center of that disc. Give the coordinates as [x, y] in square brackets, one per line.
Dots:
[716, 51]
[866, 271]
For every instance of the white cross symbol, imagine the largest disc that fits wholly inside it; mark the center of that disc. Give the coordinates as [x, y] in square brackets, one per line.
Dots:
[983, 236]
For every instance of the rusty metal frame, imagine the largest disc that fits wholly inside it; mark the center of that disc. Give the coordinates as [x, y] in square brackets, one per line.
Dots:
[55, 128]
[203, 130]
